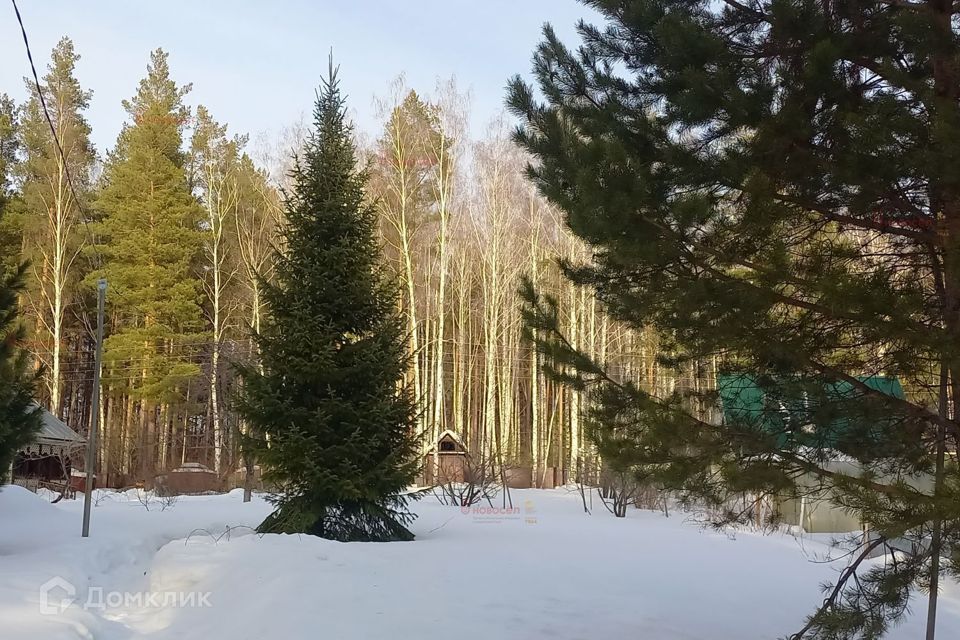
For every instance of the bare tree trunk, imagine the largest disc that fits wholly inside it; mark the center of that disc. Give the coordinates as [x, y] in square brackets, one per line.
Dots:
[443, 210]
[573, 331]
[936, 536]
[257, 226]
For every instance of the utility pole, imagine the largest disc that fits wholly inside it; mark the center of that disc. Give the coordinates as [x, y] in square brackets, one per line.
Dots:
[95, 408]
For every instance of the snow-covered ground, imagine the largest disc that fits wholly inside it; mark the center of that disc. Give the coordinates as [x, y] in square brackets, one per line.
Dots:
[545, 570]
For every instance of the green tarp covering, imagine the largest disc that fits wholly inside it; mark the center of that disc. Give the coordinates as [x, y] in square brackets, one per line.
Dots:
[807, 414]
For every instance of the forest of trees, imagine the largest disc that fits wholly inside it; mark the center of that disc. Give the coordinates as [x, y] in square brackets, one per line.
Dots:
[181, 217]
[764, 194]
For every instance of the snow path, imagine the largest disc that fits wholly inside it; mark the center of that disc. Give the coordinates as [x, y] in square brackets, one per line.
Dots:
[40, 541]
[546, 571]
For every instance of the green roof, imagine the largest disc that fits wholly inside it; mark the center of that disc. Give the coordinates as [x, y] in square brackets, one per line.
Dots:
[806, 414]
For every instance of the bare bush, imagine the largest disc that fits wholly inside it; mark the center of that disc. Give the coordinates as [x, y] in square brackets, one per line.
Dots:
[151, 499]
[106, 495]
[585, 471]
[481, 481]
[617, 490]
[651, 498]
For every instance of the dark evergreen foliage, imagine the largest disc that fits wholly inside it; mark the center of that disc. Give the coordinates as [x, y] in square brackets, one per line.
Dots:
[773, 185]
[20, 416]
[331, 421]
[10, 232]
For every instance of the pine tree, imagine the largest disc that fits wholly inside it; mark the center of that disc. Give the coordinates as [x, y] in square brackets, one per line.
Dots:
[151, 241]
[773, 186]
[333, 422]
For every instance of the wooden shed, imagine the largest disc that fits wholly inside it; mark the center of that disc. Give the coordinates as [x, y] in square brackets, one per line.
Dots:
[445, 460]
[189, 478]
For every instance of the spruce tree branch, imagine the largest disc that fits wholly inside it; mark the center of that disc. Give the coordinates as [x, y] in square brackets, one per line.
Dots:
[917, 411]
[776, 295]
[907, 407]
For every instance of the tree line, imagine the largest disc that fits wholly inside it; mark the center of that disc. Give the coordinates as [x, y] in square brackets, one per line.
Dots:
[181, 217]
[764, 192]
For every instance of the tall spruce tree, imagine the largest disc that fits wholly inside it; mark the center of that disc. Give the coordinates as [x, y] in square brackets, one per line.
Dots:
[151, 240]
[773, 185]
[332, 422]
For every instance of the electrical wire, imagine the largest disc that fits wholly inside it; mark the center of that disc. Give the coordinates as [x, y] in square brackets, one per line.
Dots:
[56, 138]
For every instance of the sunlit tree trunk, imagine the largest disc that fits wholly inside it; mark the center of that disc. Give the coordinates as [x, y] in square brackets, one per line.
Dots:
[402, 182]
[258, 219]
[51, 240]
[220, 202]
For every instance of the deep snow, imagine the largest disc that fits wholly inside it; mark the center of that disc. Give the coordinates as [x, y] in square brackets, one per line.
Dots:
[545, 570]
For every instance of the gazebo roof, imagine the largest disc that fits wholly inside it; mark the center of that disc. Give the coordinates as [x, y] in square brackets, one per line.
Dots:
[56, 431]
[54, 437]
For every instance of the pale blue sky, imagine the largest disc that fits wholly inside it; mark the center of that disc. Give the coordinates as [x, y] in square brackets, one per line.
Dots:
[255, 64]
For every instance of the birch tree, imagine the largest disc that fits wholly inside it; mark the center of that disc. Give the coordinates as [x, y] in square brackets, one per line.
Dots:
[52, 235]
[217, 162]
[10, 234]
[497, 181]
[258, 219]
[403, 172]
[446, 139]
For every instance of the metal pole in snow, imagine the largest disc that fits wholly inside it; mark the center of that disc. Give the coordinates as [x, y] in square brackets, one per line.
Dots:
[95, 409]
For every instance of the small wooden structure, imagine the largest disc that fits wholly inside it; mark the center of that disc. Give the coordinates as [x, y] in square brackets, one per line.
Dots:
[445, 460]
[47, 461]
[188, 478]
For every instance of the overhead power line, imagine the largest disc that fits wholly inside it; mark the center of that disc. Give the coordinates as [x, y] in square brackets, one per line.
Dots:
[56, 138]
